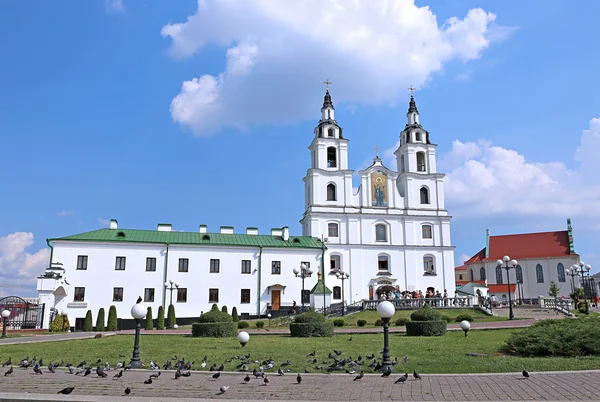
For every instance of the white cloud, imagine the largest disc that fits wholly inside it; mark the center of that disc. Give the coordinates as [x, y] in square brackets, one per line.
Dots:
[114, 6]
[65, 213]
[460, 260]
[278, 53]
[104, 222]
[17, 266]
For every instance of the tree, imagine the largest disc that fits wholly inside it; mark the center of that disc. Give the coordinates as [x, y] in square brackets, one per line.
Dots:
[149, 324]
[112, 319]
[88, 324]
[100, 320]
[171, 319]
[224, 309]
[160, 318]
[214, 307]
[554, 289]
[58, 325]
[577, 294]
[234, 314]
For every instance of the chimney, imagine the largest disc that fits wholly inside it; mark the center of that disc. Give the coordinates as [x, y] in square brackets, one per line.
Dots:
[276, 232]
[164, 227]
[487, 243]
[114, 224]
[252, 231]
[226, 229]
[286, 233]
[202, 228]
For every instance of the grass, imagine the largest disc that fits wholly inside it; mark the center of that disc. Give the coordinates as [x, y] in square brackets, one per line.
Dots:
[447, 354]
[371, 316]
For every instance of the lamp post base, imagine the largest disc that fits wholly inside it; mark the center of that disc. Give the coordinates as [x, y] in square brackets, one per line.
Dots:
[135, 359]
[386, 363]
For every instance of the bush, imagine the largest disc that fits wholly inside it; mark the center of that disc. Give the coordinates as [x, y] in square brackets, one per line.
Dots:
[149, 323]
[340, 322]
[426, 328]
[563, 338]
[57, 324]
[379, 322]
[214, 307]
[402, 321]
[234, 314]
[310, 324]
[361, 323]
[160, 318]
[88, 325]
[242, 324]
[224, 309]
[112, 319]
[463, 317]
[447, 318]
[100, 321]
[214, 329]
[214, 315]
[308, 317]
[259, 324]
[581, 306]
[426, 313]
[171, 319]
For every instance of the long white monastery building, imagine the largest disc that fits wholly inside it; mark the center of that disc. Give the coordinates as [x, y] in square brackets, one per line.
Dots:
[393, 233]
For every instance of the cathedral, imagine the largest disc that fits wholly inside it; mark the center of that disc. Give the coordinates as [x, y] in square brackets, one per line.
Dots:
[392, 234]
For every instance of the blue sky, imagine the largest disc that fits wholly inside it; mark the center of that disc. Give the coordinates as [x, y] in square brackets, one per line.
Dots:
[167, 111]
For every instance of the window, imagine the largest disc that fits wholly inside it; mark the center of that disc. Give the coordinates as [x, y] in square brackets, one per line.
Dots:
[246, 266]
[424, 195]
[82, 261]
[118, 294]
[214, 266]
[428, 264]
[460, 277]
[402, 164]
[182, 295]
[499, 275]
[331, 157]
[335, 262]
[471, 276]
[383, 263]
[561, 272]
[420, 161]
[120, 264]
[519, 272]
[539, 273]
[213, 295]
[306, 296]
[418, 137]
[332, 230]
[337, 293]
[330, 132]
[380, 232]
[245, 296]
[150, 264]
[276, 267]
[149, 294]
[79, 295]
[426, 232]
[482, 274]
[183, 264]
[331, 192]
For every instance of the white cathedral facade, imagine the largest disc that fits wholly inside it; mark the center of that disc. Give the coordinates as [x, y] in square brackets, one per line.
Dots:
[393, 233]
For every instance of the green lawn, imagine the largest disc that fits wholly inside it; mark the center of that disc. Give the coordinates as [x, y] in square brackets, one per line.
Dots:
[445, 354]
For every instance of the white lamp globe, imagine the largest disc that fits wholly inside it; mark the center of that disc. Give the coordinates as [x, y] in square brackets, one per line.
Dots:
[514, 263]
[303, 266]
[498, 262]
[588, 267]
[64, 312]
[581, 263]
[138, 311]
[296, 271]
[385, 309]
[5, 313]
[506, 258]
[175, 326]
[465, 325]
[269, 315]
[167, 284]
[309, 271]
[243, 338]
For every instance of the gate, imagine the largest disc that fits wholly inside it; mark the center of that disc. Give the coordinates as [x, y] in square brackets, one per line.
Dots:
[23, 315]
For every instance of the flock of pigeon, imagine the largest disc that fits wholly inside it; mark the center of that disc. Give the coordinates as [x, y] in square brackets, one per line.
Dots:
[334, 362]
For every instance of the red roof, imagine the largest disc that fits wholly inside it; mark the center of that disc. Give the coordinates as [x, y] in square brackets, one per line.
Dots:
[480, 256]
[465, 282]
[461, 268]
[501, 288]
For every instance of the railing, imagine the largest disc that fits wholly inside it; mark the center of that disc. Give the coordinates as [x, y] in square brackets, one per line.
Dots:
[408, 304]
[486, 305]
[560, 305]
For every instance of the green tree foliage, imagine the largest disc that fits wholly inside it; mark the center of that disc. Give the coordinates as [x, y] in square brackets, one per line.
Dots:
[100, 320]
[214, 307]
[554, 290]
[160, 318]
[234, 314]
[57, 324]
[88, 324]
[171, 319]
[149, 324]
[215, 324]
[112, 319]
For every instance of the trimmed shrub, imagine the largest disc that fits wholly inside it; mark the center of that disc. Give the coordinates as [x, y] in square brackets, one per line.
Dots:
[88, 325]
[224, 309]
[112, 319]
[57, 324]
[214, 307]
[402, 321]
[310, 324]
[361, 323]
[149, 323]
[234, 314]
[259, 324]
[214, 324]
[426, 313]
[556, 338]
[160, 318]
[581, 306]
[242, 324]
[463, 317]
[100, 320]
[171, 319]
[426, 328]
[447, 318]
[339, 322]
[379, 322]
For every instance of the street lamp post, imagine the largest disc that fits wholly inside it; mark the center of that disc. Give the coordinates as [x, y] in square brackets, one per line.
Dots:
[171, 286]
[583, 269]
[572, 273]
[342, 276]
[508, 265]
[64, 318]
[303, 273]
[386, 311]
[138, 312]
[5, 315]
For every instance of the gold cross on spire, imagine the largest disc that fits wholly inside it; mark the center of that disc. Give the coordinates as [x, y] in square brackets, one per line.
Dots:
[377, 151]
[327, 82]
[411, 89]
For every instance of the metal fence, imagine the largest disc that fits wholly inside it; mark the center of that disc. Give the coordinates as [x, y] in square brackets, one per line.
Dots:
[23, 315]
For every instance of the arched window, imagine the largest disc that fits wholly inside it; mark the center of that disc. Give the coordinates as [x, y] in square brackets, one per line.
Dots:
[498, 275]
[330, 132]
[332, 230]
[561, 272]
[471, 277]
[482, 274]
[420, 161]
[331, 192]
[402, 169]
[424, 195]
[335, 262]
[331, 157]
[519, 272]
[418, 137]
[428, 264]
[337, 293]
[380, 232]
[383, 263]
[426, 232]
[539, 273]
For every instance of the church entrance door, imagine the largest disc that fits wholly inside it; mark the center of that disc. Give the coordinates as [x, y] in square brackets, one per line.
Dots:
[275, 299]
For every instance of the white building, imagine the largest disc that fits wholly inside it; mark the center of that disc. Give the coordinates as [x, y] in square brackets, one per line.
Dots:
[394, 232]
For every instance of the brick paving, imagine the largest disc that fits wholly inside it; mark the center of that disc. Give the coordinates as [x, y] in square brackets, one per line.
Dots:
[584, 385]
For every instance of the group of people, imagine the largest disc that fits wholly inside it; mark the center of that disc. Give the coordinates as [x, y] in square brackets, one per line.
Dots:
[431, 297]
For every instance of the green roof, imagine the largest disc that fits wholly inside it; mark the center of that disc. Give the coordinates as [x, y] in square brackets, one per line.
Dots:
[193, 238]
[320, 288]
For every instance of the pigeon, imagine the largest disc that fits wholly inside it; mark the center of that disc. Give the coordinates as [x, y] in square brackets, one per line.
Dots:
[82, 364]
[224, 388]
[8, 362]
[279, 372]
[405, 358]
[349, 339]
[139, 300]
[314, 352]
[9, 371]
[71, 371]
[148, 381]
[37, 369]
[221, 368]
[177, 374]
[299, 378]
[118, 375]
[387, 372]
[155, 375]
[87, 372]
[402, 379]
[66, 391]
[266, 380]
[186, 374]
[216, 375]
[359, 376]
[525, 374]
[416, 375]
[51, 368]
[127, 391]
[247, 379]
[203, 364]
[100, 372]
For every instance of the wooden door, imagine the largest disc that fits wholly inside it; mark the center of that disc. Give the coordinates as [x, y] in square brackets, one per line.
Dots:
[275, 299]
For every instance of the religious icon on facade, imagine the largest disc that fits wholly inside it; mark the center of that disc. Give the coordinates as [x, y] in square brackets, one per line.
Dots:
[379, 193]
